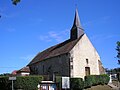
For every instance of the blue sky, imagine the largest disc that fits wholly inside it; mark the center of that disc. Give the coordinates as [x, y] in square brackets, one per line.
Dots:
[34, 25]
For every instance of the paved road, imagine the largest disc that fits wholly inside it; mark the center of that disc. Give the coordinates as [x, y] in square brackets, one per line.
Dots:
[113, 86]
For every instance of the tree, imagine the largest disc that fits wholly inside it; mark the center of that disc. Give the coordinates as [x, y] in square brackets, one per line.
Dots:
[5, 74]
[15, 2]
[118, 51]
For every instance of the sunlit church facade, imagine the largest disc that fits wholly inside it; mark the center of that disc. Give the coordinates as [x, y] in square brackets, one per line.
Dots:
[75, 57]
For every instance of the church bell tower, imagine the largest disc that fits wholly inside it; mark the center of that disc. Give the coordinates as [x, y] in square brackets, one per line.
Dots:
[76, 30]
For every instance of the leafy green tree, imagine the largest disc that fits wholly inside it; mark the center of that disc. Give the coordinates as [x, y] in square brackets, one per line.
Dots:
[118, 51]
[15, 2]
[5, 74]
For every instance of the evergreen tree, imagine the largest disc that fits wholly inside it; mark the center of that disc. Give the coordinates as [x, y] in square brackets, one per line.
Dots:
[118, 51]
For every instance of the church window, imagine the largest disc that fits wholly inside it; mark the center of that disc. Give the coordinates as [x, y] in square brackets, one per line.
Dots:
[87, 61]
[71, 66]
[71, 59]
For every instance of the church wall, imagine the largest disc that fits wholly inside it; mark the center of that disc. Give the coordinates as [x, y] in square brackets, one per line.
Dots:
[101, 68]
[84, 50]
[58, 65]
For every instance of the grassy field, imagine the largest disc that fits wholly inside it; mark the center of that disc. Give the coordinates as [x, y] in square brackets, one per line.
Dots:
[99, 87]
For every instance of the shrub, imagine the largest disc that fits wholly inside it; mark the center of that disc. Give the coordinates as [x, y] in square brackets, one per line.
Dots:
[76, 84]
[27, 82]
[22, 82]
[88, 81]
[59, 81]
[105, 79]
[5, 84]
[96, 80]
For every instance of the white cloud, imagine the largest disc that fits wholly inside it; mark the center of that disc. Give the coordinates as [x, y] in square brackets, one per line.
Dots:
[45, 38]
[54, 36]
[27, 57]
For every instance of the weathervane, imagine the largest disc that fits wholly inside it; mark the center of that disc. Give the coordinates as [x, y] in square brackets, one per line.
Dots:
[75, 4]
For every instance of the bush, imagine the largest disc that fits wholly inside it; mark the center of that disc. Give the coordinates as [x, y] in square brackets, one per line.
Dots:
[88, 81]
[96, 80]
[76, 84]
[5, 84]
[22, 82]
[59, 81]
[105, 79]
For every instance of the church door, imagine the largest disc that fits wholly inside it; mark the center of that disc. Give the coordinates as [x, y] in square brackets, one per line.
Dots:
[87, 71]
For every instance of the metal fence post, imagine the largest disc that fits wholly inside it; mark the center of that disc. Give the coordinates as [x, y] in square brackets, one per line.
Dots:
[12, 85]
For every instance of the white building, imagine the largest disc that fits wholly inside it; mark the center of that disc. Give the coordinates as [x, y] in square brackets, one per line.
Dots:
[25, 71]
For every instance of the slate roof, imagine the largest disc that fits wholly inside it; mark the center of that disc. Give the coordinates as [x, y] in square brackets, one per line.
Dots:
[77, 20]
[56, 50]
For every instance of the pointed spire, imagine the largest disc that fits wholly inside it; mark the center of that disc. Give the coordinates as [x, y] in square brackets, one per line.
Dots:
[77, 30]
[77, 20]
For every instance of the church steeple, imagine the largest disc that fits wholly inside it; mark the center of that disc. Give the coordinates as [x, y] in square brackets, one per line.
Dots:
[77, 29]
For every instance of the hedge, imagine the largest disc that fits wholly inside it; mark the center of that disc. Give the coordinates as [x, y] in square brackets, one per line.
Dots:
[58, 80]
[96, 80]
[79, 84]
[31, 82]
[22, 82]
[76, 83]
[5, 84]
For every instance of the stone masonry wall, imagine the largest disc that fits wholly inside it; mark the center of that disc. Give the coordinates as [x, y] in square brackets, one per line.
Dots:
[84, 50]
[58, 65]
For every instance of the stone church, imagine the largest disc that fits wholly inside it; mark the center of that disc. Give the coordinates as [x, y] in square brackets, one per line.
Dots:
[75, 57]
